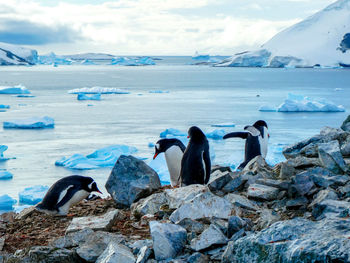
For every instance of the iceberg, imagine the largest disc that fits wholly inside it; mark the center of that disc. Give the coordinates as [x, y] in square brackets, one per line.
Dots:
[33, 194]
[104, 157]
[83, 96]
[125, 61]
[216, 134]
[6, 202]
[5, 175]
[198, 56]
[87, 62]
[267, 108]
[159, 91]
[224, 124]
[98, 90]
[3, 148]
[31, 123]
[3, 106]
[299, 103]
[53, 59]
[171, 132]
[151, 144]
[18, 89]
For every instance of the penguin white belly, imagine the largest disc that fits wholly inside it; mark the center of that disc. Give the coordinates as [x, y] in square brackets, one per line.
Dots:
[173, 157]
[263, 143]
[76, 198]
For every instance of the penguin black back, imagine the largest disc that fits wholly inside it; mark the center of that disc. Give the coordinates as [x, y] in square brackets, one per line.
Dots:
[195, 163]
[164, 144]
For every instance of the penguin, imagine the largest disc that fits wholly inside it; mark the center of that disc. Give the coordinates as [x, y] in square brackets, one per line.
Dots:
[65, 193]
[256, 137]
[195, 163]
[173, 150]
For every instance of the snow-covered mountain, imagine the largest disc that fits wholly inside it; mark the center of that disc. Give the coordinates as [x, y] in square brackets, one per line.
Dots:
[16, 55]
[321, 39]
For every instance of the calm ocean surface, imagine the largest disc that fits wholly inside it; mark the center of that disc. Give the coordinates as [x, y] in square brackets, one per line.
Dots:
[198, 95]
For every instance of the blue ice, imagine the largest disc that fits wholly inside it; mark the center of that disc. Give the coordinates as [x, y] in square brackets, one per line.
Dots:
[53, 59]
[33, 194]
[31, 123]
[159, 91]
[104, 157]
[83, 96]
[216, 134]
[5, 175]
[3, 106]
[267, 108]
[18, 89]
[6, 202]
[160, 166]
[171, 132]
[125, 61]
[3, 148]
[25, 96]
[87, 62]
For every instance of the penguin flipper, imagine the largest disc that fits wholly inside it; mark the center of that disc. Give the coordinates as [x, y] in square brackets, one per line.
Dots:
[70, 191]
[242, 135]
[206, 158]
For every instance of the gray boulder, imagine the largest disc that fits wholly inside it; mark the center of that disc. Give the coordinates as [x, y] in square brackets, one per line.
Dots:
[116, 253]
[325, 178]
[326, 194]
[203, 205]
[346, 124]
[297, 240]
[211, 236]
[178, 196]
[149, 205]
[241, 201]
[130, 180]
[192, 225]
[235, 184]
[218, 180]
[235, 224]
[331, 158]
[144, 253]
[198, 258]
[303, 182]
[73, 239]
[168, 240]
[262, 192]
[301, 162]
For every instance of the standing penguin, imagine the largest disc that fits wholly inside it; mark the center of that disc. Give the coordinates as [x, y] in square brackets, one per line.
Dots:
[67, 192]
[256, 141]
[195, 163]
[173, 150]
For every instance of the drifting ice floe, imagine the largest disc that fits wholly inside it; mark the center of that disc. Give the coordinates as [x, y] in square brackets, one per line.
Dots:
[299, 103]
[171, 132]
[6, 202]
[225, 124]
[32, 195]
[267, 108]
[83, 96]
[18, 89]
[216, 134]
[31, 123]
[96, 90]
[5, 175]
[105, 157]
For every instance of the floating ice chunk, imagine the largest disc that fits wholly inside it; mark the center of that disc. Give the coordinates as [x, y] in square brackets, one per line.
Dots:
[146, 61]
[159, 91]
[32, 195]
[53, 59]
[104, 157]
[25, 96]
[2, 106]
[160, 166]
[6, 202]
[267, 108]
[225, 124]
[83, 96]
[198, 56]
[96, 90]
[3, 148]
[151, 144]
[87, 62]
[216, 134]
[18, 89]
[299, 103]
[31, 123]
[171, 132]
[338, 89]
[5, 175]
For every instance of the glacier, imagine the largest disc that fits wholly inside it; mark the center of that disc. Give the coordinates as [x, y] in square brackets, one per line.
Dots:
[31, 123]
[126, 61]
[104, 157]
[5, 175]
[83, 96]
[33, 194]
[98, 90]
[17, 89]
[17, 55]
[6, 202]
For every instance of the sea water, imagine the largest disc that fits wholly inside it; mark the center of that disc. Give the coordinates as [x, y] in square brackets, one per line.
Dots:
[195, 95]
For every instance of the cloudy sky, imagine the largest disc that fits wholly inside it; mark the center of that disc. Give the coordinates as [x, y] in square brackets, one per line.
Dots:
[149, 27]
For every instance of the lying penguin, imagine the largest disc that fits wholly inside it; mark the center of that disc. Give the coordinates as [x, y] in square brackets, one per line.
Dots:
[173, 150]
[256, 141]
[195, 163]
[65, 193]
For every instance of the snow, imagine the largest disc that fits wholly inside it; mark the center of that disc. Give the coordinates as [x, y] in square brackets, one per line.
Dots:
[104, 157]
[259, 58]
[31, 123]
[2, 106]
[216, 134]
[33, 194]
[5, 175]
[299, 103]
[224, 124]
[267, 108]
[171, 132]
[159, 91]
[29, 55]
[83, 96]
[126, 61]
[97, 89]
[18, 89]
[6, 202]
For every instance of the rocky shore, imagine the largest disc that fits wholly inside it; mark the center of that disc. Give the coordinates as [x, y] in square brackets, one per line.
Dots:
[296, 211]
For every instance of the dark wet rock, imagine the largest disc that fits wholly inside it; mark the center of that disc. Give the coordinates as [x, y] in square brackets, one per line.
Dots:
[262, 192]
[346, 124]
[130, 180]
[218, 180]
[331, 158]
[211, 236]
[116, 253]
[168, 240]
[296, 240]
[241, 201]
[297, 203]
[235, 224]
[198, 258]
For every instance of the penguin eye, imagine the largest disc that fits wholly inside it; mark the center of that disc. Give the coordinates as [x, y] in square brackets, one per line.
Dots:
[157, 146]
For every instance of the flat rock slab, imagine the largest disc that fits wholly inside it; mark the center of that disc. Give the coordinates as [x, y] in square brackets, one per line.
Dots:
[331, 158]
[241, 201]
[211, 236]
[262, 192]
[149, 205]
[116, 253]
[102, 222]
[203, 205]
[178, 196]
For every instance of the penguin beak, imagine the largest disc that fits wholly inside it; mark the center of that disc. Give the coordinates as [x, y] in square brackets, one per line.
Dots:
[188, 136]
[155, 155]
[268, 135]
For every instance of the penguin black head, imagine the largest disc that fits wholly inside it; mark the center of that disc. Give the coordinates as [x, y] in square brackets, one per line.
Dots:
[164, 144]
[90, 185]
[260, 123]
[195, 134]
